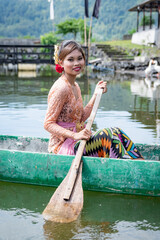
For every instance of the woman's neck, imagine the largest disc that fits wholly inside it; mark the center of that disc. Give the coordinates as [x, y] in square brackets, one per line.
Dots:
[71, 79]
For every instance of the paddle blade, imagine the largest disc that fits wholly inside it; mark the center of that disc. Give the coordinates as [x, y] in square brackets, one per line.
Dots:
[59, 210]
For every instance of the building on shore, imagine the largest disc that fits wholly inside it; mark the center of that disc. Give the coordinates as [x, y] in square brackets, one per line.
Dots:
[147, 34]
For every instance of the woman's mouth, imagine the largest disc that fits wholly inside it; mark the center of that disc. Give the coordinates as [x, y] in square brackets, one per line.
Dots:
[77, 69]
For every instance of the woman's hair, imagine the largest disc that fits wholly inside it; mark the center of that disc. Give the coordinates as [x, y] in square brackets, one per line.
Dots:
[68, 46]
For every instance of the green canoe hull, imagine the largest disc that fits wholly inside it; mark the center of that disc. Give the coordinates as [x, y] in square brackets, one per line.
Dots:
[99, 174]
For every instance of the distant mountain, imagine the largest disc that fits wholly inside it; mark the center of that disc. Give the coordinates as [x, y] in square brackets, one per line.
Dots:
[20, 18]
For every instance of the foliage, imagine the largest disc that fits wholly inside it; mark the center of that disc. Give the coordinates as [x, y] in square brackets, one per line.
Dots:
[130, 32]
[32, 18]
[124, 43]
[49, 39]
[146, 21]
[68, 26]
[73, 26]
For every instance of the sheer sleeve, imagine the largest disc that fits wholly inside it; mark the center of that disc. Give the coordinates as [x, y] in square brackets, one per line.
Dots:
[56, 100]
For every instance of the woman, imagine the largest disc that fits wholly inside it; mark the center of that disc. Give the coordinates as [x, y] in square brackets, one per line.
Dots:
[66, 115]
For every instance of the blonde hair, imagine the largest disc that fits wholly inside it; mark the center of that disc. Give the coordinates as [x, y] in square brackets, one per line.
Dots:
[65, 48]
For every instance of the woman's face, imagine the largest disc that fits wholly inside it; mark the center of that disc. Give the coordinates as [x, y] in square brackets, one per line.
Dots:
[73, 63]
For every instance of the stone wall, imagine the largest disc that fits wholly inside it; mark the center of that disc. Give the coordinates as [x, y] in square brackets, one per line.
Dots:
[105, 63]
[17, 41]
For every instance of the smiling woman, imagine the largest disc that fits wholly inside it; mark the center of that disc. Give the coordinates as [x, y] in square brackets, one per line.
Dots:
[66, 115]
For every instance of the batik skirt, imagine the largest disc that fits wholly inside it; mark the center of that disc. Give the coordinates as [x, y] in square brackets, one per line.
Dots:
[110, 143]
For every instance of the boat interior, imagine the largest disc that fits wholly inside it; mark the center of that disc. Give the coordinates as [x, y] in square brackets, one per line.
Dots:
[40, 145]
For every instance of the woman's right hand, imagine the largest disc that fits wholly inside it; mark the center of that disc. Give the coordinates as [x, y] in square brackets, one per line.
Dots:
[101, 84]
[85, 134]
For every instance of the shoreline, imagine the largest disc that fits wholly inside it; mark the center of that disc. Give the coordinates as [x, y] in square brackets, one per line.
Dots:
[108, 59]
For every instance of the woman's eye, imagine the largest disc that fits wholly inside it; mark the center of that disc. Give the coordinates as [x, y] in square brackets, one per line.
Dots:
[72, 59]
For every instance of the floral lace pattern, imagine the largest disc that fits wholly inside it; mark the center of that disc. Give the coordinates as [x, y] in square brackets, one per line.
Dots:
[63, 106]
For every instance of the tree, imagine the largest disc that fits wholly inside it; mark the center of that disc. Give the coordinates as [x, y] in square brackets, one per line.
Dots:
[49, 38]
[74, 26]
[68, 26]
[130, 32]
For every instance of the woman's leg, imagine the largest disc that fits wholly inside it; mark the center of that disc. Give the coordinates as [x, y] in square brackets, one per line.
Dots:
[110, 142]
[127, 143]
[98, 145]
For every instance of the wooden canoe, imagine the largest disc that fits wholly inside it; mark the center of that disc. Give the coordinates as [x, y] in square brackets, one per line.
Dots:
[25, 160]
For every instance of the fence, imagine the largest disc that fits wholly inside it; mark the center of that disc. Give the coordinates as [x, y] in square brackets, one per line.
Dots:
[37, 54]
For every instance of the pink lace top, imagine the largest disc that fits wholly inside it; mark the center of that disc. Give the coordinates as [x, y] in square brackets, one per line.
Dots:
[64, 107]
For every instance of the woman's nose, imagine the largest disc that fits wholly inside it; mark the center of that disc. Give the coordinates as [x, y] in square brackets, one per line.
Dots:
[76, 62]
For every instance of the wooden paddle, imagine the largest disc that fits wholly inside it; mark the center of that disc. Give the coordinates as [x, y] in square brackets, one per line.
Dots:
[66, 203]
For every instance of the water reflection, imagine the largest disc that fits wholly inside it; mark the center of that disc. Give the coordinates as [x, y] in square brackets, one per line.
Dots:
[27, 74]
[148, 88]
[104, 215]
[149, 91]
[130, 103]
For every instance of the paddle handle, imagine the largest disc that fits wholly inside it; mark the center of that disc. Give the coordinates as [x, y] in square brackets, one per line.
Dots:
[77, 160]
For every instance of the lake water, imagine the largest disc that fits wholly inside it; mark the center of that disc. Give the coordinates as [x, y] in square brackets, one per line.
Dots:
[132, 103]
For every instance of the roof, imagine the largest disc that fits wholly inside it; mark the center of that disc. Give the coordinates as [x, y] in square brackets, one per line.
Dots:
[147, 5]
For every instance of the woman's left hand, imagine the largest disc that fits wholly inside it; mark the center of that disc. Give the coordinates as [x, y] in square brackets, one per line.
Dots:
[101, 84]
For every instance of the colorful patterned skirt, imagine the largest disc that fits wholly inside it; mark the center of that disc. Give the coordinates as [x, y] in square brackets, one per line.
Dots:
[110, 143]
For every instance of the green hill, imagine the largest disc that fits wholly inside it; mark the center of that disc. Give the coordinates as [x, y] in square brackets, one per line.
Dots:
[20, 18]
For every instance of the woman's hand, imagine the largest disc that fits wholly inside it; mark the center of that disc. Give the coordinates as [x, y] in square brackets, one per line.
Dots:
[85, 134]
[101, 84]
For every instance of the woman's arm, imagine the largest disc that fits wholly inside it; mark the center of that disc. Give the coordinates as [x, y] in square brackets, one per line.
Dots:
[56, 101]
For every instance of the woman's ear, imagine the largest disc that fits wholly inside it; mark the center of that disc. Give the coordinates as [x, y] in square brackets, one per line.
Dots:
[61, 63]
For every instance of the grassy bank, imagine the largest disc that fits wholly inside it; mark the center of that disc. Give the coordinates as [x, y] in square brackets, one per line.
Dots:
[129, 46]
[125, 44]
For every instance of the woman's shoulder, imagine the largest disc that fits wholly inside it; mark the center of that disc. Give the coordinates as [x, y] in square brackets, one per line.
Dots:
[77, 85]
[59, 87]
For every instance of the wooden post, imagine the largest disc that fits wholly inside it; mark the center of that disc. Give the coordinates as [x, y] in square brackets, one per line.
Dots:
[144, 19]
[85, 32]
[137, 20]
[158, 17]
[89, 37]
[150, 23]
